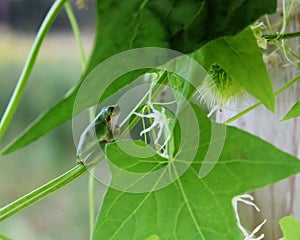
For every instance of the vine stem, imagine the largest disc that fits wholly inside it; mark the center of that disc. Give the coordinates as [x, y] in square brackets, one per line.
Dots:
[91, 181]
[77, 171]
[77, 34]
[91, 189]
[91, 192]
[15, 99]
[279, 91]
[281, 36]
[42, 192]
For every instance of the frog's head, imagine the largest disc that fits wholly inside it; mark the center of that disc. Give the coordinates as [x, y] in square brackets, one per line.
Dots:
[112, 116]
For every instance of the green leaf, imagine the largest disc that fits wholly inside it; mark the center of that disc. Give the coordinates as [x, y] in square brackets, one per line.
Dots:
[293, 113]
[4, 238]
[190, 207]
[177, 25]
[127, 24]
[241, 58]
[48, 120]
[61, 112]
[135, 163]
[290, 228]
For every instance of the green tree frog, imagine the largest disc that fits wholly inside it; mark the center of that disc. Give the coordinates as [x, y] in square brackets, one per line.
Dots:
[99, 132]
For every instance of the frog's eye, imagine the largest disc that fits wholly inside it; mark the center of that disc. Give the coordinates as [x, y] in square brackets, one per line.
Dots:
[111, 109]
[114, 109]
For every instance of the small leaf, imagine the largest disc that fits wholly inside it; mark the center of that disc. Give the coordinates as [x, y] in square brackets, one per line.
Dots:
[290, 228]
[293, 113]
[190, 207]
[241, 58]
[4, 238]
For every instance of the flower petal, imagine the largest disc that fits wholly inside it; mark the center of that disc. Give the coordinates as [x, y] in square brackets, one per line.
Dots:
[147, 130]
[159, 133]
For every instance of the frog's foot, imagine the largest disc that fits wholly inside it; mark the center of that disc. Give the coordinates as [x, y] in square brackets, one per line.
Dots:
[79, 161]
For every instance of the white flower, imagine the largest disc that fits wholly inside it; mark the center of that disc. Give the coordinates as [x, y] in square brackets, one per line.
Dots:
[243, 198]
[262, 42]
[161, 121]
[257, 32]
[257, 28]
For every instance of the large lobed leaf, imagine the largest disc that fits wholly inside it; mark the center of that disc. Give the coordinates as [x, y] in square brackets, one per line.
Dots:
[175, 24]
[193, 208]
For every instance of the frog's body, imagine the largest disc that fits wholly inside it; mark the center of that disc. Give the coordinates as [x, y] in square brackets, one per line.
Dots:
[98, 132]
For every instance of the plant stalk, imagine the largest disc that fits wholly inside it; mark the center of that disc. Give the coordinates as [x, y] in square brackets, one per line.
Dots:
[77, 34]
[279, 91]
[42, 192]
[91, 183]
[91, 192]
[281, 36]
[15, 99]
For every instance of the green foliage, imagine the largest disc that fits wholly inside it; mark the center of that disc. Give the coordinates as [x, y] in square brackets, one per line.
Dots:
[193, 208]
[216, 34]
[290, 228]
[4, 238]
[242, 60]
[293, 113]
[123, 25]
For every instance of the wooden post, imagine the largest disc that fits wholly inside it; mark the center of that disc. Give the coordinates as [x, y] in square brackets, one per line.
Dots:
[283, 198]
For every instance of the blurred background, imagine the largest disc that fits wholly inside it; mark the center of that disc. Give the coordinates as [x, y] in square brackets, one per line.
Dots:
[63, 215]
